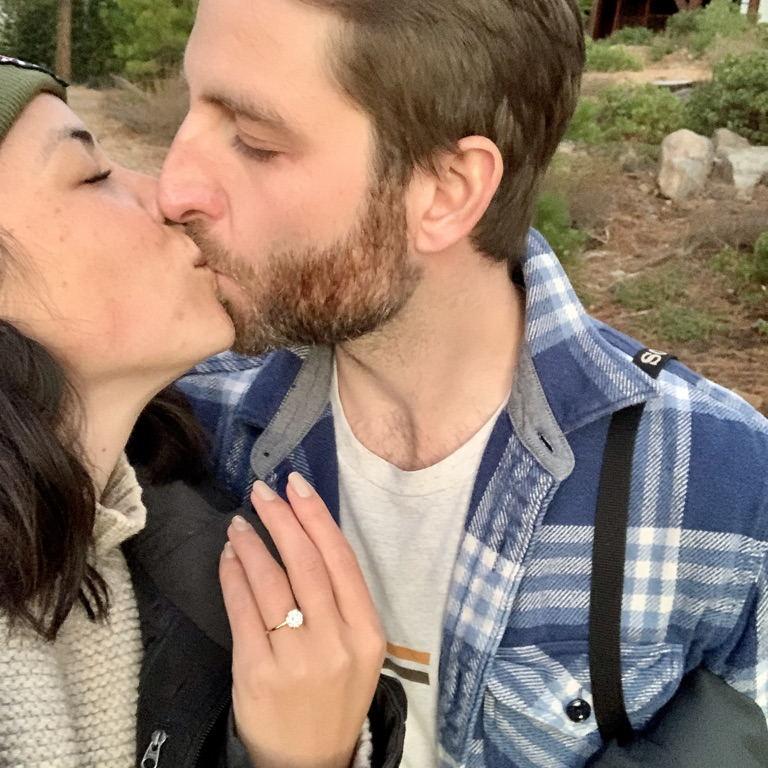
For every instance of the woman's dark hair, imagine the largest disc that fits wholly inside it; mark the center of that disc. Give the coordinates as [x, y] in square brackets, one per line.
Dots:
[168, 444]
[47, 497]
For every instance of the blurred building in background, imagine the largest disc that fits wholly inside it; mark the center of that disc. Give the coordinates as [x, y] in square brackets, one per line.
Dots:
[607, 16]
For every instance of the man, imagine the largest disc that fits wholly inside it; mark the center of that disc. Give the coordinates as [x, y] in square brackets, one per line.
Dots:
[362, 175]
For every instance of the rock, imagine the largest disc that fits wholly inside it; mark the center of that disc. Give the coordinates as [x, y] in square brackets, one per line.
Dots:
[686, 162]
[744, 168]
[726, 140]
[630, 161]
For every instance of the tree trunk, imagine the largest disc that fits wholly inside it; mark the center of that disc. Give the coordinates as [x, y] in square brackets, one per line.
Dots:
[754, 7]
[64, 40]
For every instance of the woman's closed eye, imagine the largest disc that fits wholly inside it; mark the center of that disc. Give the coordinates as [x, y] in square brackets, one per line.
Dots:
[99, 177]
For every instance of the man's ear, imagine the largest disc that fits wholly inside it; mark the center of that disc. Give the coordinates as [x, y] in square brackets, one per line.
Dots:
[450, 203]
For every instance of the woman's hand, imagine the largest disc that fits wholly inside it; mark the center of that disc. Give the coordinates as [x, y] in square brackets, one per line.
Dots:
[300, 695]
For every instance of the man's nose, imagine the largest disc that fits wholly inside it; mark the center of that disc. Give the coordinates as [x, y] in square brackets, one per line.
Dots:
[188, 190]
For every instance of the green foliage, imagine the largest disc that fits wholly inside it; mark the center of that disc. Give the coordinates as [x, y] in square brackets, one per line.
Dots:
[150, 35]
[682, 24]
[736, 98]
[745, 270]
[648, 291]
[682, 325]
[662, 46]
[760, 259]
[698, 30]
[605, 57]
[583, 126]
[721, 18]
[631, 36]
[761, 326]
[660, 298]
[553, 220]
[644, 113]
[29, 32]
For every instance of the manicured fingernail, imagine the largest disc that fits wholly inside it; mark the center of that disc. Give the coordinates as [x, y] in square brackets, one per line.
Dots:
[240, 523]
[229, 551]
[300, 485]
[263, 491]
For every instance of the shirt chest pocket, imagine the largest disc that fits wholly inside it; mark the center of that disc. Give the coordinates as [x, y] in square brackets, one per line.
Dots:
[539, 698]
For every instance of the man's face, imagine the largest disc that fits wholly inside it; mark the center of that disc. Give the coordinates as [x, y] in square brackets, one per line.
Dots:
[273, 170]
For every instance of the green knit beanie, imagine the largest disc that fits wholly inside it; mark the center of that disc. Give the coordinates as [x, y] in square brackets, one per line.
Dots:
[20, 82]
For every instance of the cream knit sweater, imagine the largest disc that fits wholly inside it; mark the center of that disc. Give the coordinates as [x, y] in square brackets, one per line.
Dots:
[72, 703]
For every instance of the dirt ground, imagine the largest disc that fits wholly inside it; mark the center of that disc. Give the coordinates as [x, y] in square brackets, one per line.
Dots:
[643, 236]
[634, 234]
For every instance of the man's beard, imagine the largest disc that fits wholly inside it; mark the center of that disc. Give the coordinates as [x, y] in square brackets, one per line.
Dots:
[327, 295]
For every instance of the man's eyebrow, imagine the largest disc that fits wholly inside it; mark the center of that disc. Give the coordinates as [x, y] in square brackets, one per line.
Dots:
[70, 134]
[250, 110]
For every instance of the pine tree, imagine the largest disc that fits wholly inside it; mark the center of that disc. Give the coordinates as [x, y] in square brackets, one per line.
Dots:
[64, 39]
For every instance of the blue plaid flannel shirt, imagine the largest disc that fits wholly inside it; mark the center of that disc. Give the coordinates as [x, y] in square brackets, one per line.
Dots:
[515, 632]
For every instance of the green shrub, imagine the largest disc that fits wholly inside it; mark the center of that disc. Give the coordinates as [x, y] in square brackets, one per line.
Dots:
[721, 18]
[745, 270]
[150, 35]
[648, 291]
[697, 30]
[662, 46]
[631, 36]
[604, 57]
[736, 98]
[761, 259]
[683, 325]
[644, 113]
[553, 220]
[683, 23]
[583, 126]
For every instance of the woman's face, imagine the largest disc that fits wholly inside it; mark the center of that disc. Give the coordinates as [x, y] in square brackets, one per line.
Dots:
[98, 278]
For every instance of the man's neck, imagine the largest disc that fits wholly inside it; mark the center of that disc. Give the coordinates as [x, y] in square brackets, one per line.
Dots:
[418, 389]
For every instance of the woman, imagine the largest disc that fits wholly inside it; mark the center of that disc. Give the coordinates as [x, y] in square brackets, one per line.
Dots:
[101, 307]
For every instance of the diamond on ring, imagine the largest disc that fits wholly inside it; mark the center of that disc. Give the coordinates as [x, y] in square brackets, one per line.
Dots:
[293, 620]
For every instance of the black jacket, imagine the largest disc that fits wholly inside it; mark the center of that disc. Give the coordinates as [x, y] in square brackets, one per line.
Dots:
[185, 686]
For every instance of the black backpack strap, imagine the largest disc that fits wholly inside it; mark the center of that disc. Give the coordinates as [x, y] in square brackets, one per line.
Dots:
[609, 551]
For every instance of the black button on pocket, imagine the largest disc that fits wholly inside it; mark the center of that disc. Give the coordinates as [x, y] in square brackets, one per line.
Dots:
[578, 710]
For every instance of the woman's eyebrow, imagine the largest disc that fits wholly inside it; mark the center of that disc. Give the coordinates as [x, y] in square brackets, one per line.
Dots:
[69, 134]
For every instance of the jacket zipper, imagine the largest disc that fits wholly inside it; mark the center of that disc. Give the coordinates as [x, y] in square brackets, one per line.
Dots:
[207, 731]
[151, 757]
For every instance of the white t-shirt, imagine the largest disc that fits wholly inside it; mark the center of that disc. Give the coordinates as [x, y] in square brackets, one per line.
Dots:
[405, 528]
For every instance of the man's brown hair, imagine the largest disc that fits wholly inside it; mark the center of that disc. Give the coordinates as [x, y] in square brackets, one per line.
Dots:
[430, 72]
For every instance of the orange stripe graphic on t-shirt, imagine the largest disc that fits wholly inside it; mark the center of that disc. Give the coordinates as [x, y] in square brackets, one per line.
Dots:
[408, 654]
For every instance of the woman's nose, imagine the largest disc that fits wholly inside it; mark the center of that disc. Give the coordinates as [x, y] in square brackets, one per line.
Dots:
[144, 187]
